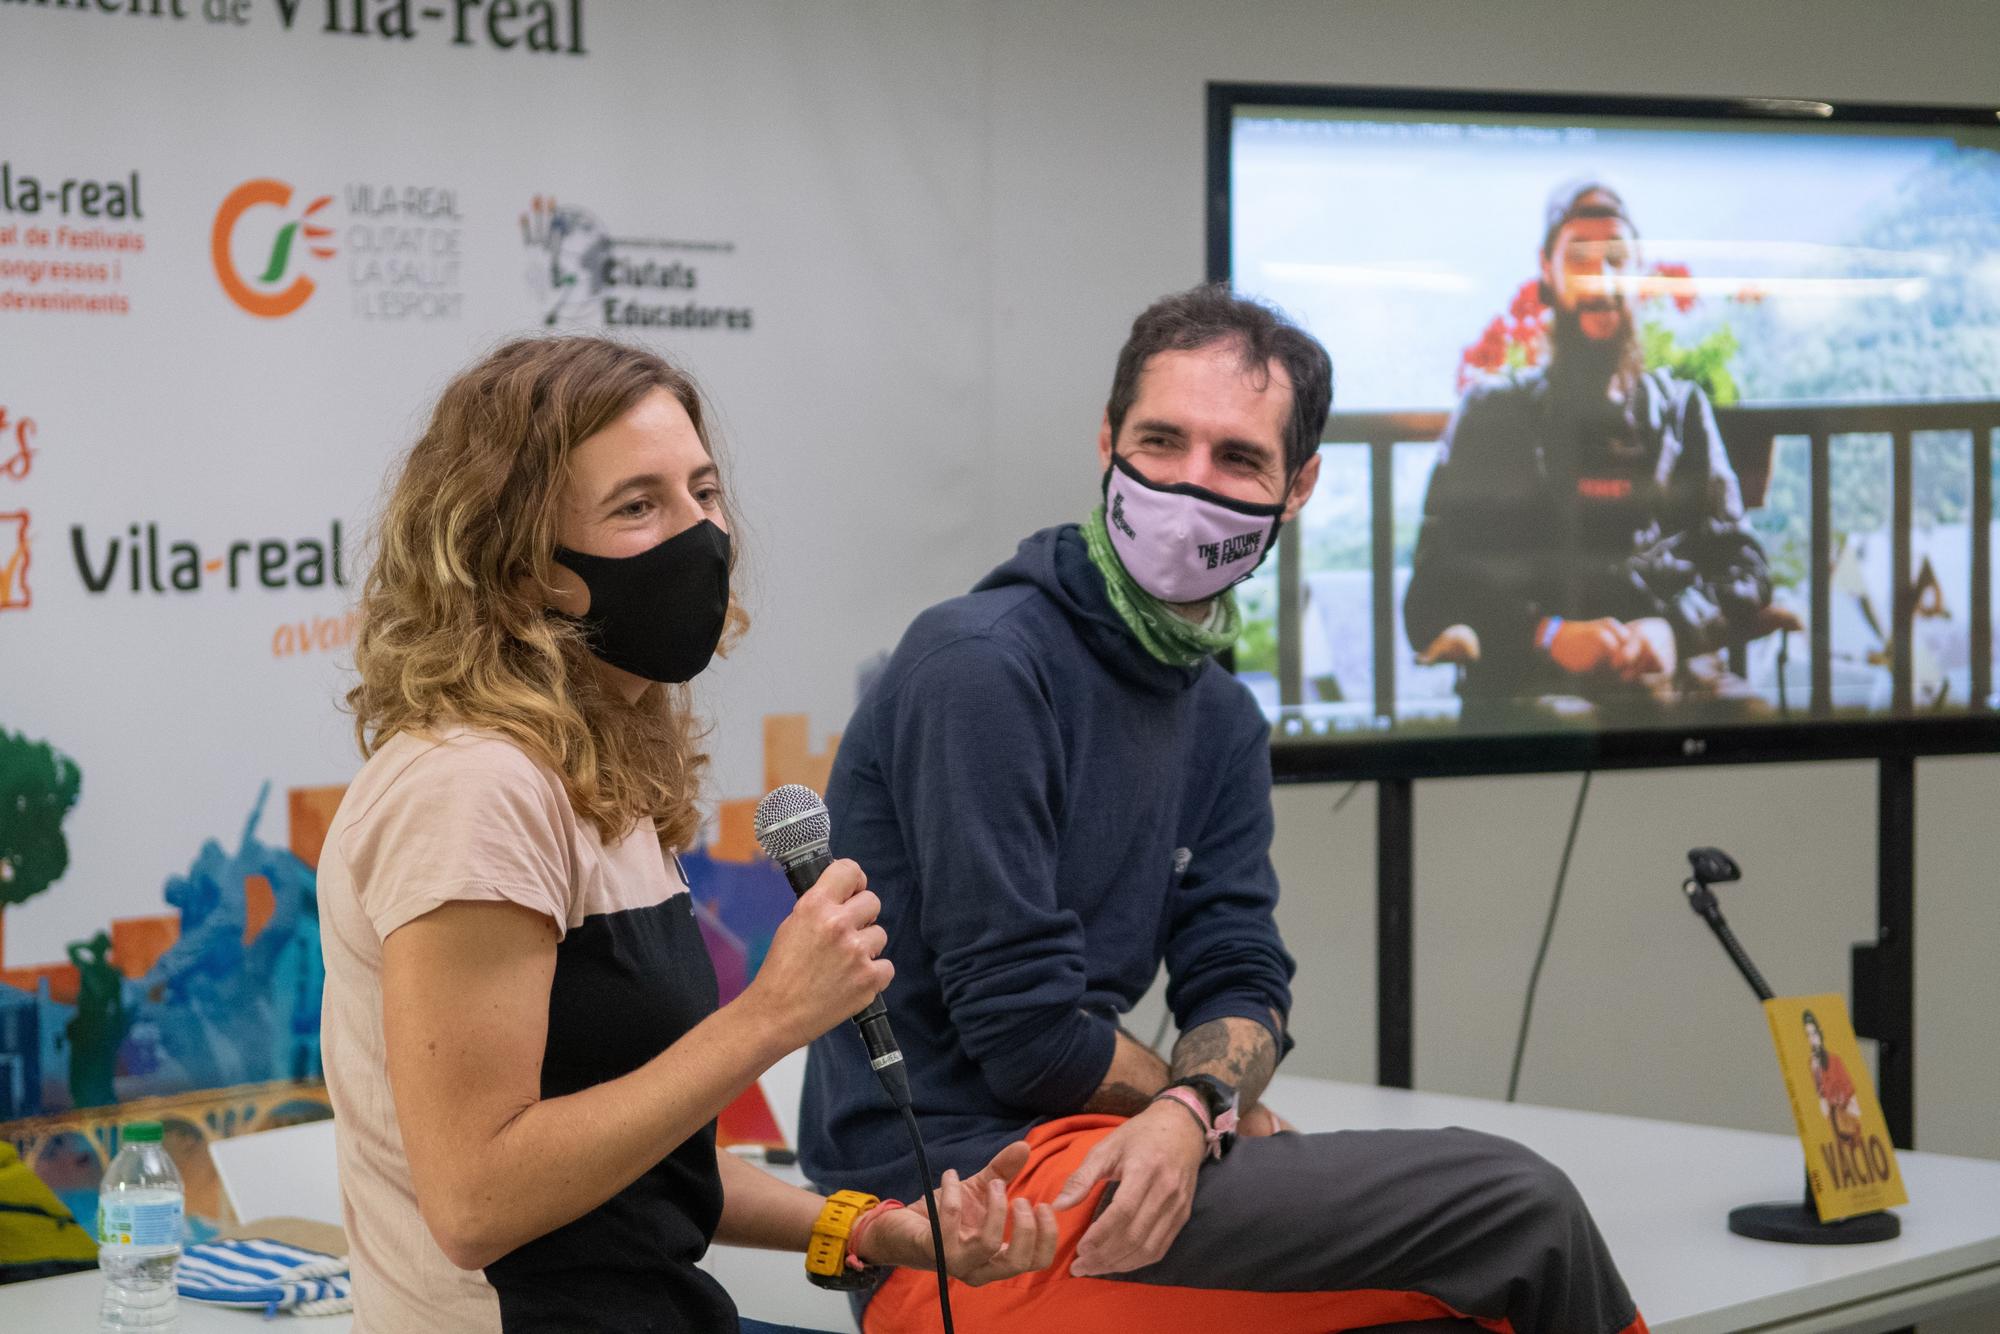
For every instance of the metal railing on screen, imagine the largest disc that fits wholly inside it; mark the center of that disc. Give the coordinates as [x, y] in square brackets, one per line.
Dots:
[1749, 433]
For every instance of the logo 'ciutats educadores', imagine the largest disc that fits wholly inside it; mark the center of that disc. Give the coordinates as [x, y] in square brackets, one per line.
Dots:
[579, 272]
[567, 247]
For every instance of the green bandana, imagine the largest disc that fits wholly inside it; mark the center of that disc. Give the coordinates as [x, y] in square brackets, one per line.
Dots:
[1165, 634]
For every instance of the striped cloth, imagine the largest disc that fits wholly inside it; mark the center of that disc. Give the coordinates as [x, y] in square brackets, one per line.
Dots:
[266, 1275]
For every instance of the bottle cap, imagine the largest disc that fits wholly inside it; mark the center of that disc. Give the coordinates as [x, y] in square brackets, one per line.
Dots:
[143, 1132]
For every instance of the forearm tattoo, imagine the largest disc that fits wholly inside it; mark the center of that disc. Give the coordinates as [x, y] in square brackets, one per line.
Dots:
[1240, 1052]
[1136, 1075]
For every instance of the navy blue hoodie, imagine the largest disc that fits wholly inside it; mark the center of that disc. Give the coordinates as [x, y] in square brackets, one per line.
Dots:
[1047, 812]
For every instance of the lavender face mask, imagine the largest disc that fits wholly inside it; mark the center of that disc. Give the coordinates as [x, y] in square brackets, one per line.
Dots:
[1184, 543]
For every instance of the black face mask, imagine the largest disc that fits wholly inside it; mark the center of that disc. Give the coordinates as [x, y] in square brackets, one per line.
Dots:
[658, 614]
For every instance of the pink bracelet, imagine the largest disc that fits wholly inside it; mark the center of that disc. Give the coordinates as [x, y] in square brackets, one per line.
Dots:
[854, 1233]
[1191, 1100]
[1211, 1131]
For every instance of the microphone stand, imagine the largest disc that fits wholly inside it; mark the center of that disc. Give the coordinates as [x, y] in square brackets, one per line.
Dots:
[1775, 1220]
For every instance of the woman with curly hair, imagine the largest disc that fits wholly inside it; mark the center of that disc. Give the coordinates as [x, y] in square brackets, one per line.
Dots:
[522, 1038]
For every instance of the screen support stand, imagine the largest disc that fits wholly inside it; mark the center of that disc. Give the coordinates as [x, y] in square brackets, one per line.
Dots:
[1885, 975]
[1395, 876]
[1884, 979]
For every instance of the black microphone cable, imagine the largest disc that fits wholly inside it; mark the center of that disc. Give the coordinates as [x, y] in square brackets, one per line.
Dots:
[794, 829]
[1548, 933]
[930, 1204]
[895, 1081]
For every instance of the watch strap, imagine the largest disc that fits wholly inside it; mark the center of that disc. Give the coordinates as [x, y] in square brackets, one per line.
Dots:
[827, 1248]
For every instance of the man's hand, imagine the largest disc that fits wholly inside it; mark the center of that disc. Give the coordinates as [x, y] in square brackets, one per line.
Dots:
[1648, 650]
[1153, 1157]
[973, 1216]
[1629, 649]
[1582, 647]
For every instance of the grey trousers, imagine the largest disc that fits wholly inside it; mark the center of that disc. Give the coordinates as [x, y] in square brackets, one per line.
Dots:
[1487, 1227]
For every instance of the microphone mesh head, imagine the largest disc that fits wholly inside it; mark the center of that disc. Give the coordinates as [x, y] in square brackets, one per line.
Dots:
[791, 822]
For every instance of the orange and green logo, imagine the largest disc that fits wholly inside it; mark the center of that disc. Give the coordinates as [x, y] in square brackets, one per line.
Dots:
[17, 452]
[281, 287]
[17, 456]
[14, 592]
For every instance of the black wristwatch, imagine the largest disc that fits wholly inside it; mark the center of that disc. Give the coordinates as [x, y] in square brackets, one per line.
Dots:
[1219, 1094]
[1219, 1097]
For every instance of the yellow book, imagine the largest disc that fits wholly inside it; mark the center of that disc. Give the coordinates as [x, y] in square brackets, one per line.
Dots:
[1849, 1159]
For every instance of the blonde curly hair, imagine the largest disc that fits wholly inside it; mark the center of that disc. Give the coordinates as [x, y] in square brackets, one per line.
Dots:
[454, 626]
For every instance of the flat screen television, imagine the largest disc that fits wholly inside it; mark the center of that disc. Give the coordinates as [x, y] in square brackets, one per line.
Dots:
[1663, 430]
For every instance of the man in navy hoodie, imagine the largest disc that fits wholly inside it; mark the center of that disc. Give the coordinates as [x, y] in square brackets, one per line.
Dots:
[1054, 789]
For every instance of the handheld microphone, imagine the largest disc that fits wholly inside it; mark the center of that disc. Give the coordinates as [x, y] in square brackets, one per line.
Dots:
[794, 829]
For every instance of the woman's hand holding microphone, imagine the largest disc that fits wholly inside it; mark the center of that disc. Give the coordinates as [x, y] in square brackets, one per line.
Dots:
[825, 963]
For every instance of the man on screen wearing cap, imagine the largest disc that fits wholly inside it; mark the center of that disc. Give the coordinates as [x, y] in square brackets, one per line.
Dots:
[1583, 522]
[1055, 789]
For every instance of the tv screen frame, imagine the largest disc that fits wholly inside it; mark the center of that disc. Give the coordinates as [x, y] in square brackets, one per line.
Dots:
[1300, 756]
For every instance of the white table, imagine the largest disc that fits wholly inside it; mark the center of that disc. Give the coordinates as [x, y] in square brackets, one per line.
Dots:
[1660, 1190]
[768, 1284]
[68, 1305]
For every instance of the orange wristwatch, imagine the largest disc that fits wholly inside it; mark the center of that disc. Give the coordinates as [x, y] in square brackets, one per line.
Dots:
[826, 1253]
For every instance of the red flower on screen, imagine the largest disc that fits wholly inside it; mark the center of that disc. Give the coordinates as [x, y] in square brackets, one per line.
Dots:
[1677, 283]
[1519, 339]
[1527, 304]
[1490, 352]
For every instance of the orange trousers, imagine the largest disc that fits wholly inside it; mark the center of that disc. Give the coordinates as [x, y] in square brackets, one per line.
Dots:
[1052, 1301]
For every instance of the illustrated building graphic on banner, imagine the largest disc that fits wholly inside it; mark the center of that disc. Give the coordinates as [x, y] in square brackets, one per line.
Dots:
[207, 1016]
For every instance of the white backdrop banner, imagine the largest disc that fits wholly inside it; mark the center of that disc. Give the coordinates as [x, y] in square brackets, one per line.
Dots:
[243, 243]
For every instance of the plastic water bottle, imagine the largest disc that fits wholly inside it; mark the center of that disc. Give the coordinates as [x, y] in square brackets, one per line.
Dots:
[139, 1209]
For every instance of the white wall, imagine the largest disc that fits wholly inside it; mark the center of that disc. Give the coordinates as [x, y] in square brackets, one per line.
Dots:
[1097, 184]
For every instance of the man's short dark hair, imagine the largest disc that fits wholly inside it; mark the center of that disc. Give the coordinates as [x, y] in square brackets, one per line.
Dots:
[1204, 316]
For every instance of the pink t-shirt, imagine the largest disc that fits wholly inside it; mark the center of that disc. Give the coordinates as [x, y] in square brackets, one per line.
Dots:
[469, 816]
